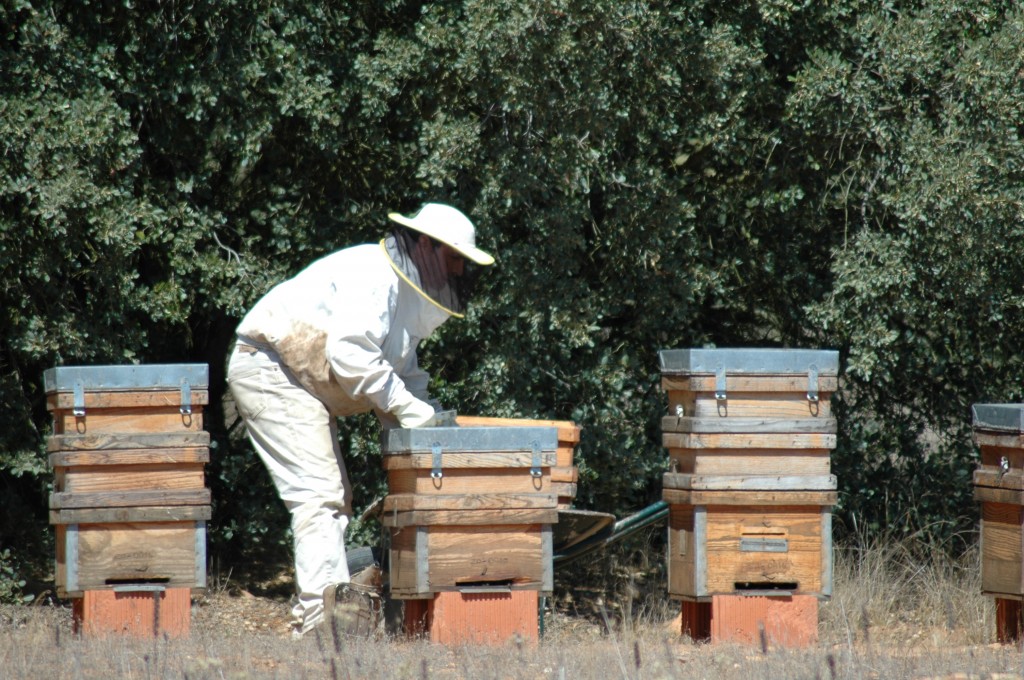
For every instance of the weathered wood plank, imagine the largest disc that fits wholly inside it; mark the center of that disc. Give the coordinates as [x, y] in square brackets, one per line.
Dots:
[120, 457]
[62, 501]
[985, 494]
[172, 513]
[494, 501]
[408, 561]
[569, 474]
[995, 457]
[136, 440]
[997, 480]
[469, 518]
[787, 382]
[437, 559]
[751, 462]
[778, 440]
[682, 558]
[747, 405]
[1007, 440]
[749, 498]
[513, 459]
[468, 481]
[568, 431]
[106, 555]
[684, 424]
[58, 401]
[462, 556]
[1002, 555]
[125, 421]
[676, 480]
[104, 478]
[722, 550]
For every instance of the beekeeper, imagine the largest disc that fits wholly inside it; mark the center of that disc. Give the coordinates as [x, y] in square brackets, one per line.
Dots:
[337, 339]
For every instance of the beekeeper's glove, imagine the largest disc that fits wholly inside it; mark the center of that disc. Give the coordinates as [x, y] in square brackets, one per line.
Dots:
[414, 413]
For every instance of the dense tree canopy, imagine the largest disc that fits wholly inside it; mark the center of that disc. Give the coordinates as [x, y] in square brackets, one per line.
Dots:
[785, 173]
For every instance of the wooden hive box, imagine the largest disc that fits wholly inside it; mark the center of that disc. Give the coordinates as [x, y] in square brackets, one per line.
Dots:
[749, 434]
[752, 542]
[749, 411]
[999, 487]
[470, 508]
[564, 473]
[129, 502]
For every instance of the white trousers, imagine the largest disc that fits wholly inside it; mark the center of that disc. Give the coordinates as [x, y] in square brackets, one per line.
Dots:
[297, 439]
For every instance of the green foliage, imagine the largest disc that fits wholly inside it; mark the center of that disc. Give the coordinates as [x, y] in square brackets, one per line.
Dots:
[10, 583]
[649, 175]
[922, 161]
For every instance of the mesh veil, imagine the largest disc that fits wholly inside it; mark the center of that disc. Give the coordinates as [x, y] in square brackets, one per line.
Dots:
[427, 271]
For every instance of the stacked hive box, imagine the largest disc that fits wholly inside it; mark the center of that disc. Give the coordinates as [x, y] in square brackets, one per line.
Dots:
[999, 487]
[564, 474]
[749, 434]
[470, 512]
[129, 502]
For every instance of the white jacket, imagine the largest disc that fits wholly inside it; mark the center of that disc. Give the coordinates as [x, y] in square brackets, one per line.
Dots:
[348, 326]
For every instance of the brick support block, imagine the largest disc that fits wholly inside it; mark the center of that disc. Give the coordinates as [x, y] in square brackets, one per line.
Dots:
[140, 613]
[790, 621]
[454, 618]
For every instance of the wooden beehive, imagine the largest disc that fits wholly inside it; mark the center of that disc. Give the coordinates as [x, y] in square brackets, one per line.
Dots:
[999, 487]
[129, 502]
[564, 473]
[470, 507]
[749, 434]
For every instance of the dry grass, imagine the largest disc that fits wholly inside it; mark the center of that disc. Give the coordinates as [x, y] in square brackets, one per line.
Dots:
[899, 611]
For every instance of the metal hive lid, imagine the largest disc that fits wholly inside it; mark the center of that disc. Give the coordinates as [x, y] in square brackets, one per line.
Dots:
[469, 439]
[1003, 417]
[126, 377]
[748, 360]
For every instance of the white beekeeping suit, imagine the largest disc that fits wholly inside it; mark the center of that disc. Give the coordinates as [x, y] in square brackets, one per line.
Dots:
[337, 339]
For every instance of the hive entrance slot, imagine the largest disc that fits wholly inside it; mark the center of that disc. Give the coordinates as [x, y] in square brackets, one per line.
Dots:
[765, 588]
[137, 581]
[498, 585]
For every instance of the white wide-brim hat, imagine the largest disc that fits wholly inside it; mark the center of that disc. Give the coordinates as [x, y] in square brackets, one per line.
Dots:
[447, 225]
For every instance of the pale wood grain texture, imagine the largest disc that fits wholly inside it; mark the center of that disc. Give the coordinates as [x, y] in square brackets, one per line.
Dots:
[1001, 548]
[725, 549]
[467, 502]
[140, 398]
[490, 459]
[753, 462]
[748, 440]
[126, 457]
[87, 479]
[127, 421]
[108, 555]
[747, 405]
[171, 513]
[765, 382]
[749, 498]
[468, 481]
[466, 556]
[463, 518]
